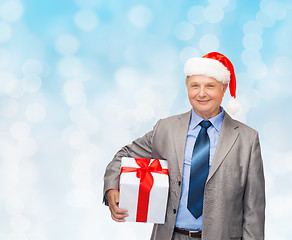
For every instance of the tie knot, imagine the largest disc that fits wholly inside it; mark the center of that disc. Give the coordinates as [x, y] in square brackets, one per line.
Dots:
[205, 124]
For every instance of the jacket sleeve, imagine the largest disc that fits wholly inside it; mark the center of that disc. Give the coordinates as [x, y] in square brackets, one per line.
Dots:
[254, 196]
[139, 148]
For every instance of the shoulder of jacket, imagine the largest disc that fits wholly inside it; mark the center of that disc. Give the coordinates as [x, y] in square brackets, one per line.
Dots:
[177, 116]
[242, 126]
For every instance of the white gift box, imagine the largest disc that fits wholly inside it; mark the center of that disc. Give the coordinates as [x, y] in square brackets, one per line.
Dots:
[130, 187]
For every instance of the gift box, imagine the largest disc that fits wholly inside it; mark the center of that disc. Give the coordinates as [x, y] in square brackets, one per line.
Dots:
[144, 188]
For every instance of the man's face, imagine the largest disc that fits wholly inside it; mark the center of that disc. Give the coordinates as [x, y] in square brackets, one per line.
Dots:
[205, 95]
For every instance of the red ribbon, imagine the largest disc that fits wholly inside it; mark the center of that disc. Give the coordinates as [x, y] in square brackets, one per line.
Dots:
[146, 183]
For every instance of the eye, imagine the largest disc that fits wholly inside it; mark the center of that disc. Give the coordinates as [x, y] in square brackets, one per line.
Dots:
[195, 85]
[211, 86]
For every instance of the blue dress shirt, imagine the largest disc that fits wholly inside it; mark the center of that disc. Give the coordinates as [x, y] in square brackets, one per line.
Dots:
[184, 218]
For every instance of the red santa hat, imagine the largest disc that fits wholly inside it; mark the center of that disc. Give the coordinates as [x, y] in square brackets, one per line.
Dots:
[217, 66]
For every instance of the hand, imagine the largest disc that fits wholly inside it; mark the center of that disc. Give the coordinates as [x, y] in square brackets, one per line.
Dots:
[118, 214]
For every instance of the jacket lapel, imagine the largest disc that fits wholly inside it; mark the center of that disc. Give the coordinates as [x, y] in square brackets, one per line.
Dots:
[180, 131]
[228, 136]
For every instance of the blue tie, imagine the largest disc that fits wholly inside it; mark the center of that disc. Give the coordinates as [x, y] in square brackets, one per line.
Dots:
[199, 170]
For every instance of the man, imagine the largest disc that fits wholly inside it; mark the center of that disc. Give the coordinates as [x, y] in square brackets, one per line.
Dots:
[217, 189]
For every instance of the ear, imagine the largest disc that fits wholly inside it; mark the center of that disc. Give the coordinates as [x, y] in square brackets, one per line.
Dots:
[187, 80]
[225, 87]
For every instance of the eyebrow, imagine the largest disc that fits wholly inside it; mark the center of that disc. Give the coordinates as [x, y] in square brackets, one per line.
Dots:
[195, 82]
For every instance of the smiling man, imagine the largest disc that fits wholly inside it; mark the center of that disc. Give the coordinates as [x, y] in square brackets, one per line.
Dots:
[217, 188]
[205, 95]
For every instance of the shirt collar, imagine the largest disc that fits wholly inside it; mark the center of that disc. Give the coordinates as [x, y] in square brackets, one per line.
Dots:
[216, 121]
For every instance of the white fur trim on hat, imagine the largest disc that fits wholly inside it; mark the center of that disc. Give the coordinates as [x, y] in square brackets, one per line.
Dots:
[207, 67]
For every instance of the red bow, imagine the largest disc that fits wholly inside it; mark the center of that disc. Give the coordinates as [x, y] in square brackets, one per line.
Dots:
[146, 183]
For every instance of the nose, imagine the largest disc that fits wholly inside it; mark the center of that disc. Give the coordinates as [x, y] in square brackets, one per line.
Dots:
[202, 92]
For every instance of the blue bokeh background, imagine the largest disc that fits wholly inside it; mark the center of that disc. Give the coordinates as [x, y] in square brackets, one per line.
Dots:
[81, 78]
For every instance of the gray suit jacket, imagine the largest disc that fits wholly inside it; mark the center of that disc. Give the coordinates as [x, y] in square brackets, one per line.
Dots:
[234, 198]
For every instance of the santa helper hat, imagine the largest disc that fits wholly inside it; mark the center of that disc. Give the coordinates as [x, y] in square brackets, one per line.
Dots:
[217, 66]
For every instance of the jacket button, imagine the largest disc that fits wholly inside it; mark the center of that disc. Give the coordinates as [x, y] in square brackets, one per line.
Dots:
[179, 183]
[174, 211]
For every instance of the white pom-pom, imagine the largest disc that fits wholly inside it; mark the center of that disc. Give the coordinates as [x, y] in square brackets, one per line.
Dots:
[233, 106]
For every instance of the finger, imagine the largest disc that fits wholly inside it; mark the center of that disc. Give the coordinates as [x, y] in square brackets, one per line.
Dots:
[117, 219]
[119, 212]
[115, 207]
[118, 216]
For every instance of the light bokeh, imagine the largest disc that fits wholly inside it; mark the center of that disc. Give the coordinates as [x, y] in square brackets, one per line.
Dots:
[80, 79]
